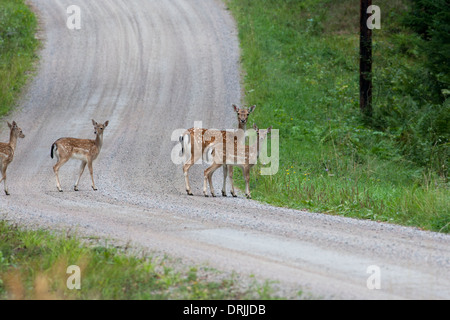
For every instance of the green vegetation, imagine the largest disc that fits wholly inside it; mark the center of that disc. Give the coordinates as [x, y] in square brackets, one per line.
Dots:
[17, 50]
[301, 68]
[33, 265]
[431, 20]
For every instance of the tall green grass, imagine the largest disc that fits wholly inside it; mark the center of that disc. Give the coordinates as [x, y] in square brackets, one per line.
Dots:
[301, 68]
[17, 50]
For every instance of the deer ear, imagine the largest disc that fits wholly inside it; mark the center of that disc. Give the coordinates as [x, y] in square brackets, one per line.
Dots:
[255, 127]
[269, 129]
[251, 109]
[94, 122]
[9, 124]
[106, 123]
[235, 107]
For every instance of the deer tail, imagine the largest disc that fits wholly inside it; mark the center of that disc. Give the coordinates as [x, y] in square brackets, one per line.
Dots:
[53, 148]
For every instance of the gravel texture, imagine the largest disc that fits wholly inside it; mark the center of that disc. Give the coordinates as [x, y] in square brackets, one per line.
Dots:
[151, 67]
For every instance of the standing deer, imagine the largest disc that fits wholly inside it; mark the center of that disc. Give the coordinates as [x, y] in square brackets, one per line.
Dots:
[194, 144]
[244, 157]
[85, 150]
[7, 150]
[242, 115]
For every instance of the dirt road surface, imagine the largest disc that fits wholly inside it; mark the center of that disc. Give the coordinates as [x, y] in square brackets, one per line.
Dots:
[151, 67]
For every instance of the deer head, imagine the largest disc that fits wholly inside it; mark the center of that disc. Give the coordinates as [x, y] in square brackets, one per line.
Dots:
[15, 130]
[243, 114]
[98, 127]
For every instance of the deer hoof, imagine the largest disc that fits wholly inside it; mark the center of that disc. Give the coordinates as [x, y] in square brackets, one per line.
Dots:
[75, 188]
[7, 193]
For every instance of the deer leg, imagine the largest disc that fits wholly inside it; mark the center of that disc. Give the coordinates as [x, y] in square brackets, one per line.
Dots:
[247, 182]
[225, 175]
[91, 171]
[192, 160]
[186, 168]
[83, 165]
[208, 177]
[3, 169]
[56, 167]
[230, 175]
[205, 181]
[211, 188]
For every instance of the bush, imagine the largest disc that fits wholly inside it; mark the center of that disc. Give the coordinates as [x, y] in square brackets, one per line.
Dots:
[431, 20]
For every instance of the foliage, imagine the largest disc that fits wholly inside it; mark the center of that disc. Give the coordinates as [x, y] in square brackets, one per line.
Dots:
[431, 20]
[17, 49]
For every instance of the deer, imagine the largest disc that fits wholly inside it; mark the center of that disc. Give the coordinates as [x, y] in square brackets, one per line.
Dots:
[85, 150]
[194, 144]
[7, 150]
[242, 156]
[242, 115]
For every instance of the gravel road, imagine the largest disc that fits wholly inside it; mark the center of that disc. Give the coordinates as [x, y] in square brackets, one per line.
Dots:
[151, 67]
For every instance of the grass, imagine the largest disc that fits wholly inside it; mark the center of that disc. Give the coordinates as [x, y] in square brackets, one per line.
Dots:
[301, 69]
[17, 50]
[33, 265]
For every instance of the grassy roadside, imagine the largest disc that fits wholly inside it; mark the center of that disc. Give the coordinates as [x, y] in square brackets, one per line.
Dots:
[300, 61]
[18, 45]
[33, 265]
